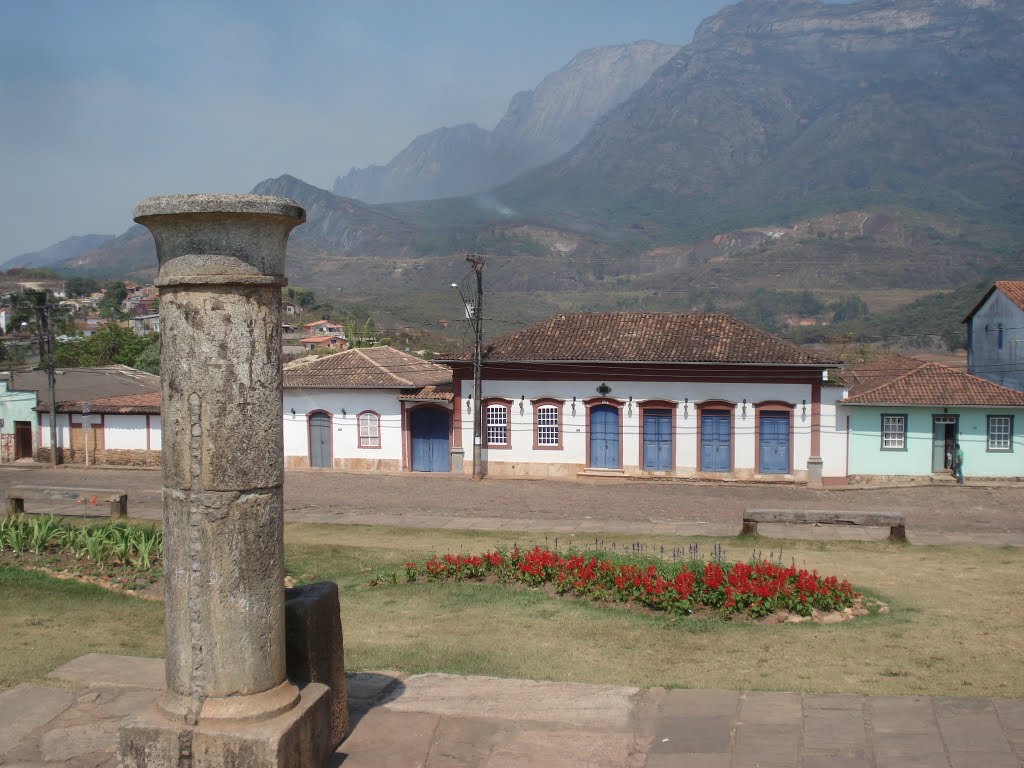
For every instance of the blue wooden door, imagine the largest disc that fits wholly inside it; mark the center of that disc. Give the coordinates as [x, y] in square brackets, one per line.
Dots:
[774, 446]
[430, 452]
[658, 440]
[320, 440]
[604, 437]
[715, 441]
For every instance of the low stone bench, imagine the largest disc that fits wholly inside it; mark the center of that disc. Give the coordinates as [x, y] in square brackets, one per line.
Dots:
[17, 495]
[894, 520]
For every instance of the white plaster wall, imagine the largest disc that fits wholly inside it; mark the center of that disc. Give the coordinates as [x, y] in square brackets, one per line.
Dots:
[833, 432]
[687, 451]
[63, 434]
[344, 429]
[155, 433]
[126, 433]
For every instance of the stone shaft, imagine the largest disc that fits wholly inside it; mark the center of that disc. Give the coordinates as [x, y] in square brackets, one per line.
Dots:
[221, 271]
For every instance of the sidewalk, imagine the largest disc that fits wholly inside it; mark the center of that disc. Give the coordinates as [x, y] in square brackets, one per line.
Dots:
[446, 720]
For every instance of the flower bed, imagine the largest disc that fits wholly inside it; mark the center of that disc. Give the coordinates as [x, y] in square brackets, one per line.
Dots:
[118, 555]
[754, 589]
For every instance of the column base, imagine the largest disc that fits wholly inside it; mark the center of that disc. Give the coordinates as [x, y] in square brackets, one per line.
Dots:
[815, 467]
[298, 738]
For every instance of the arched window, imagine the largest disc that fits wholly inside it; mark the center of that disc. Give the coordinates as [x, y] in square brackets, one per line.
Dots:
[369, 429]
[547, 424]
[497, 424]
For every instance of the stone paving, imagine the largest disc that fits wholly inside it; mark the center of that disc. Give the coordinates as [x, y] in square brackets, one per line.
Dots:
[448, 721]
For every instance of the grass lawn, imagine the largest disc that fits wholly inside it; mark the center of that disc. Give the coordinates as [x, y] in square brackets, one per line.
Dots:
[953, 629]
[46, 622]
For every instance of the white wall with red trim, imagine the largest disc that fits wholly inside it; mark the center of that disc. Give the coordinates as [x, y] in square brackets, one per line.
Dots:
[687, 397]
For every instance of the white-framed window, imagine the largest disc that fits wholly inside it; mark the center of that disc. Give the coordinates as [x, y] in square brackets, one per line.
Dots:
[548, 431]
[369, 430]
[1000, 433]
[497, 424]
[894, 432]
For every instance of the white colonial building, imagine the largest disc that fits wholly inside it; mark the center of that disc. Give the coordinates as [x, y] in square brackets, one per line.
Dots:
[372, 408]
[685, 395]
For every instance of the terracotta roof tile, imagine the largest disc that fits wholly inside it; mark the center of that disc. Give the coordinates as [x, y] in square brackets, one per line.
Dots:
[646, 337]
[146, 402]
[366, 367]
[442, 392]
[1012, 289]
[900, 380]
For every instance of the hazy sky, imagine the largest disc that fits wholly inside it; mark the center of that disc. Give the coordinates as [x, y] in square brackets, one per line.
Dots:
[104, 102]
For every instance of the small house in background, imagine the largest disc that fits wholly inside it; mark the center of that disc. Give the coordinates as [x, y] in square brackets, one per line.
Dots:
[325, 328]
[905, 416]
[120, 404]
[995, 335]
[289, 309]
[143, 325]
[373, 408]
[323, 342]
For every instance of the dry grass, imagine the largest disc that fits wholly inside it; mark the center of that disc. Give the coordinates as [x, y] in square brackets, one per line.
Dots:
[954, 627]
[46, 622]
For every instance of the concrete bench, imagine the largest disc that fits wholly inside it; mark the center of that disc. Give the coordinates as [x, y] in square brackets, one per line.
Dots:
[17, 495]
[894, 520]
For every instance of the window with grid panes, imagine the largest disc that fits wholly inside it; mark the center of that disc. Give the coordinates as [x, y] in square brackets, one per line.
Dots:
[547, 425]
[369, 430]
[1000, 433]
[894, 432]
[497, 424]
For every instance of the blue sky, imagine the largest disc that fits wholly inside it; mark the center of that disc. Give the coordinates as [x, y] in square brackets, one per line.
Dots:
[104, 102]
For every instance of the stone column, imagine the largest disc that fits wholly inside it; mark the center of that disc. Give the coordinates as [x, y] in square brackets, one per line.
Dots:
[221, 271]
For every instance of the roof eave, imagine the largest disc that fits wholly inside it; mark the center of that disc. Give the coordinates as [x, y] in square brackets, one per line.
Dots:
[485, 361]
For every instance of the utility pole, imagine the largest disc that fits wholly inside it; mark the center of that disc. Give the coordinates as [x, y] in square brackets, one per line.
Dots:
[478, 327]
[44, 315]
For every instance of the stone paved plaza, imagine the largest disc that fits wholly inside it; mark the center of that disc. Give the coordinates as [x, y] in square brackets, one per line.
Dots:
[435, 720]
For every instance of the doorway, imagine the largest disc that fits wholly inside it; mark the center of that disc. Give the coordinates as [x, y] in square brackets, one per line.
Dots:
[431, 451]
[320, 440]
[22, 440]
[944, 439]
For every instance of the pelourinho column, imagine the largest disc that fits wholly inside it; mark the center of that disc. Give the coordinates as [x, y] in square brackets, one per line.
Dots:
[221, 272]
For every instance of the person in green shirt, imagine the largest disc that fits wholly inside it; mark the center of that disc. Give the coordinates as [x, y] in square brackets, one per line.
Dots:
[958, 464]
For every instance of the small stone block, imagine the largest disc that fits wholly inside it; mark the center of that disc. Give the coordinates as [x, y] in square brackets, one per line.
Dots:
[299, 738]
[315, 648]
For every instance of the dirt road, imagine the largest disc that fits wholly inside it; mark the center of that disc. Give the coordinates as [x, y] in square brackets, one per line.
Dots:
[345, 497]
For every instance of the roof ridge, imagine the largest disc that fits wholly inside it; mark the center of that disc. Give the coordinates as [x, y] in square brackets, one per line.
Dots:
[890, 382]
[380, 367]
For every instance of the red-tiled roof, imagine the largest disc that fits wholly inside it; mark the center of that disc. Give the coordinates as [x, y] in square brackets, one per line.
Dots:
[900, 380]
[319, 339]
[147, 402]
[1012, 289]
[441, 392]
[646, 337]
[366, 367]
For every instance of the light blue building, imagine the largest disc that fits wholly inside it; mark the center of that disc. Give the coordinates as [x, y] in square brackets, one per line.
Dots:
[906, 416]
[17, 421]
[995, 335]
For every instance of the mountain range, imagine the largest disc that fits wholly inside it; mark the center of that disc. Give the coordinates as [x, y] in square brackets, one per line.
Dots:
[870, 147]
[539, 126]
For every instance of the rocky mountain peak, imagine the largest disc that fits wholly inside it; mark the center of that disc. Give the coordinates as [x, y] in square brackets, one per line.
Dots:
[539, 125]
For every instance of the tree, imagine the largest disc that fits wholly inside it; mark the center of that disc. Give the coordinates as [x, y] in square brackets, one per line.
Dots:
[114, 294]
[110, 345]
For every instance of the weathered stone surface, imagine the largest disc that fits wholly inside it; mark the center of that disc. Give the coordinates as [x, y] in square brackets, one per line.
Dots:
[221, 267]
[298, 738]
[107, 669]
[588, 706]
[26, 708]
[315, 648]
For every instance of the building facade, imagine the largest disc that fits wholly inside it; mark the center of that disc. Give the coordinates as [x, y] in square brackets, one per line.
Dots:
[995, 335]
[652, 394]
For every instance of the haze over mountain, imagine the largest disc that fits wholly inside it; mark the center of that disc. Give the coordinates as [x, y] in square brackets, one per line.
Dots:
[68, 248]
[797, 105]
[868, 147]
[538, 126]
